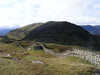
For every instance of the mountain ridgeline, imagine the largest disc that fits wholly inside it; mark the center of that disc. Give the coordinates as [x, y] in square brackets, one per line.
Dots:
[4, 31]
[55, 32]
[95, 30]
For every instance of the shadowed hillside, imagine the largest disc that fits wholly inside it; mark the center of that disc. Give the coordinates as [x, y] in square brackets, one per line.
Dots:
[54, 32]
[61, 32]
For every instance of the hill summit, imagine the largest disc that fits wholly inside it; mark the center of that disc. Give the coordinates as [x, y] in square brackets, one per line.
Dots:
[54, 32]
[61, 32]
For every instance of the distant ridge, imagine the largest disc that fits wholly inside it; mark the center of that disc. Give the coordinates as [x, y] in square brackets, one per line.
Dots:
[4, 31]
[95, 30]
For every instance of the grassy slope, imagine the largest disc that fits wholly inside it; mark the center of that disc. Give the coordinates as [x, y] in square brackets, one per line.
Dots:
[59, 47]
[51, 65]
[20, 33]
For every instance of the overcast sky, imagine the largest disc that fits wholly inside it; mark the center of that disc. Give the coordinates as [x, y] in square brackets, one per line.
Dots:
[23, 12]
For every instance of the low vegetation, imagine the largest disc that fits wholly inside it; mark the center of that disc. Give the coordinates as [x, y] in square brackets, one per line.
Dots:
[20, 62]
[50, 66]
[59, 48]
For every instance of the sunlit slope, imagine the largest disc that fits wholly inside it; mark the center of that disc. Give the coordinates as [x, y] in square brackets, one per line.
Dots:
[20, 33]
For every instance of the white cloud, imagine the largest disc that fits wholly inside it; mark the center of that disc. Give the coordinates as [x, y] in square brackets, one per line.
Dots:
[77, 11]
[23, 12]
[96, 6]
[4, 2]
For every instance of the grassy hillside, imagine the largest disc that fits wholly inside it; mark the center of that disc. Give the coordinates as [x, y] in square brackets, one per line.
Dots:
[52, 66]
[21, 57]
[38, 62]
[53, 32]
[20, 33]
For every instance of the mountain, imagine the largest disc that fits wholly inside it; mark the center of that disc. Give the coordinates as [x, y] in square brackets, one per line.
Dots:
[4, 31]
[52, 55]
[95, 30]
[61, 32]
[54, 32]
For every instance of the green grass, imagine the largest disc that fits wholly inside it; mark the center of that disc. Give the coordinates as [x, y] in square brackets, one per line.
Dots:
[66, 66]
[30, 58]
[40, 53]
[51, 64]
[60, 48]
[20, 33]
[10, 47]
